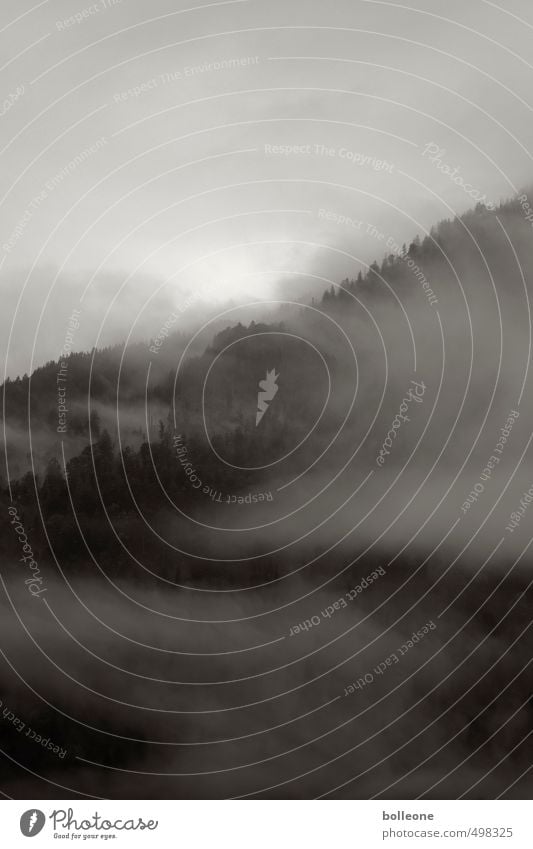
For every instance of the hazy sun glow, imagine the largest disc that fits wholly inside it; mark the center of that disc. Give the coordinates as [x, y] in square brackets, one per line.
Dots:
[241, 274]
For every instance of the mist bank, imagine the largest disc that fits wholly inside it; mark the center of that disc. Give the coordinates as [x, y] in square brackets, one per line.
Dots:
[362, 702]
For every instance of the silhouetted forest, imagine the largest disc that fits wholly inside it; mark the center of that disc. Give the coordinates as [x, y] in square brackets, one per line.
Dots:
[126, 466]
[162, 456]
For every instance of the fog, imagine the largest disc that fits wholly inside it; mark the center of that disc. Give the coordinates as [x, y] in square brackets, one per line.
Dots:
[154, 717]
[314, 212]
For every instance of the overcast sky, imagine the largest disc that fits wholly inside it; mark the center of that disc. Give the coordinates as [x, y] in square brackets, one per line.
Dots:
[139, 162]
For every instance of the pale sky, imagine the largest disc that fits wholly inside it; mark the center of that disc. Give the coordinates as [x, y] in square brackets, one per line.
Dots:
[146, 145]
